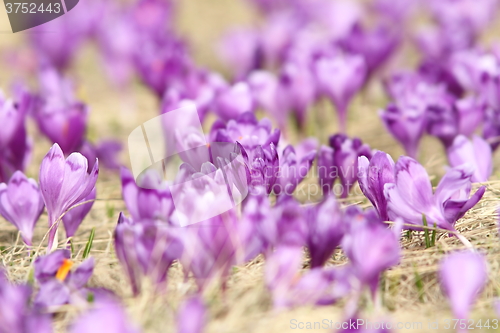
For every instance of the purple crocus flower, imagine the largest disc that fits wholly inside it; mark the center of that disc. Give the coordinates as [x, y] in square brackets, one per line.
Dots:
[234, 101]
[153, 202]
[107, 152]
[21, 204]
[240, 49]
[64, 183]
[58, 283]
[373, 175]
[411, 196]
[146, 249]
[491, 128]
[327, 225]
[477, 152]
[104, 317]
[59, 115]
[376, 45]
[340, 77]
[16, 316]
[264, 167]
[340, 161]
[297, 89]
[371, 246]
[407, 124]
[463, 275]
[209, 248]
[191, 316]
[266, 92]
[15, 146]
[246, 130]
[74, 217]
[293, 168]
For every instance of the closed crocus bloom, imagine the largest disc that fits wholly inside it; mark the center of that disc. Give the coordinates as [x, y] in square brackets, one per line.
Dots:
[371, 246]
[74, 217]
[263, 166]
[476, 151]
[376, 45]
[191, 316]
[410, 196]
[104, 317]
[240, 49]
[21, 204]
[265, 88]
[234, 101]
[463, 275]
[340, 77]
[154, 202]
[292, 170]
[209, 248]
[297, 89]
[16, 316]
[407, 124]
[342, 164]
[373, 175]
[327, 225]
[65, 127]
[64, 183]
[145, 249]
[10, 117]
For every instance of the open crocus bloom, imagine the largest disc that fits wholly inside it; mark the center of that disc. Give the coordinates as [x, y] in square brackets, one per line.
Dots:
[410, 197]
[476, 151]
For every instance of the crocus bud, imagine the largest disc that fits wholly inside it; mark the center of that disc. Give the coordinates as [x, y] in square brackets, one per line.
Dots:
[21, 204]
[463, 275]
[373, 175]
[234, 101]
[192, 316]
[340, 77]
[477, 152]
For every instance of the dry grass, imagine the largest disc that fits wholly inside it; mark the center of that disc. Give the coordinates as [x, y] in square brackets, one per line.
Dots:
[246, 305]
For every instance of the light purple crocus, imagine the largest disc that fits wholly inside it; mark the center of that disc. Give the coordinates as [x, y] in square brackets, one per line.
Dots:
[104, 317]
[191, 316]
[477, 152]
[17, 316]
[152, 202]
[463, 275]
[297, 89]
[371, 246]
[234, 101]
[373, 175]
[74, 217]
[266, 92]
[15, 146]
[240, 51]
[146, 249]
[64, 183]
[21, 204]
[326, 227]
[59, 284]
[293, 168]
[209, 249]
[406, 124]
[340, 161]
[340, 77]
[410, 197]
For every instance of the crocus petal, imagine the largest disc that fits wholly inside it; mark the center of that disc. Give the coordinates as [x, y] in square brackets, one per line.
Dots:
[192, 315]
[462, 276]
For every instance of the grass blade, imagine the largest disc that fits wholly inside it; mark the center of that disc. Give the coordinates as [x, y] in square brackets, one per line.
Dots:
[88, 246]
[426, 233]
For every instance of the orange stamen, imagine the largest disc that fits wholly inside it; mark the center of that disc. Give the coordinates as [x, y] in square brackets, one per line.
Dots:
[63, 271]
